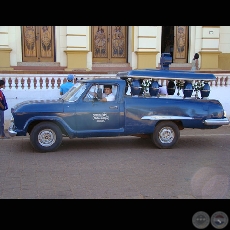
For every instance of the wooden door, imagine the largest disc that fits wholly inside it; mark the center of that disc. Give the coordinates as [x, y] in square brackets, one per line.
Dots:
[180, 52]
[38, 43]
[109, 44]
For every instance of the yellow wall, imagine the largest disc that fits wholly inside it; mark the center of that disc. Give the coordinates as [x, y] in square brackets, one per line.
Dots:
[146, 59]
[5, 59]
[209, 60]
[224, 61]
[76, 60]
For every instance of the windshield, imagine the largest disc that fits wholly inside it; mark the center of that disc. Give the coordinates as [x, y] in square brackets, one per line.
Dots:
[75, 92]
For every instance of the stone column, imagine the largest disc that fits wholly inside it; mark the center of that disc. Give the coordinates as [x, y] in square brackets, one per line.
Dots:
[4, 49]
[210, 39]
[77, 47]
[224, 57]
[145, 46]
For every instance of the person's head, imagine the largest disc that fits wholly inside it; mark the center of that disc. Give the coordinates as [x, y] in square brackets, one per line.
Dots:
[108, 89]
[196, 56]
[2, 83]
[70, 77]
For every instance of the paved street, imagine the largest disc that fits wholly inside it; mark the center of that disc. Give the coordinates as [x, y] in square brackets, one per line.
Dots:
[119, 168]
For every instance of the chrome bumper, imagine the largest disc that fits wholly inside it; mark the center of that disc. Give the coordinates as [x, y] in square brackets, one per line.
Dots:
[11, 132]
[223, 121]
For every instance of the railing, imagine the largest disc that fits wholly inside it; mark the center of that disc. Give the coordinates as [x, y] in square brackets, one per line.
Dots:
[222, 79]
[43, 81]
[52, 81]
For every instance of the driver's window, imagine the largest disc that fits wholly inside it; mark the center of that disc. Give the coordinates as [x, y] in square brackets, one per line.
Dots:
[96, 92]
[92, 93]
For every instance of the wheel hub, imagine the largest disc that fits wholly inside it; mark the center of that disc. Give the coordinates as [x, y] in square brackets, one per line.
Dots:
[46, 138]
[166, 135]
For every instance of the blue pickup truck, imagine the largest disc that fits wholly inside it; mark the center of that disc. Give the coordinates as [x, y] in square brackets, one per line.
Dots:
[137, 109]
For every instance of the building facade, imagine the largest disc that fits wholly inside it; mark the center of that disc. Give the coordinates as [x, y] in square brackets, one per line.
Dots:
[86, 47]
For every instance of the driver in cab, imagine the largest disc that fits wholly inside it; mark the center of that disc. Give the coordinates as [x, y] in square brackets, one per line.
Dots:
[96, 93]
[108, 95]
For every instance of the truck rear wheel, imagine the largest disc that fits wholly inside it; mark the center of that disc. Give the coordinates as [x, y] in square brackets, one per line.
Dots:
[46, 137]
[166, 135]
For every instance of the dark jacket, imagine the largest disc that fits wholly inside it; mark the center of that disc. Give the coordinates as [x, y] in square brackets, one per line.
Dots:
[3, 101]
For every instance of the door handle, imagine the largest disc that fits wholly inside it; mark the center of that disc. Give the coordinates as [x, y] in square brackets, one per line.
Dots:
[113, 107]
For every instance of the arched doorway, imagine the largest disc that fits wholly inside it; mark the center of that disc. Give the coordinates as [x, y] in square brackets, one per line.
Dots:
[109, 44]
[174, 40]
[38, 44]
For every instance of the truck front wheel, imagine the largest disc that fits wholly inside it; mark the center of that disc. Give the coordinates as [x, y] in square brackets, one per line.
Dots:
[166, 135]
[46, 137]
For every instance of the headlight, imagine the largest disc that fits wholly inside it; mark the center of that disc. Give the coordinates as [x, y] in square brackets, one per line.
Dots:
[225, 114]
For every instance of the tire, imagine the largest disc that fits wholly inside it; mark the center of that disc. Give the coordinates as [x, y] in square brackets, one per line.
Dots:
[166, 135]
[46, 137]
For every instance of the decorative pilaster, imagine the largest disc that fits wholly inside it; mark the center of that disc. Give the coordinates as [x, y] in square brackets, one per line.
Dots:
[210, 47]
[76, 60]
[5, 58]
[210, 60]
[146, 59]
[224, 61]
[77, 47]
[145, 46]
[4, 49]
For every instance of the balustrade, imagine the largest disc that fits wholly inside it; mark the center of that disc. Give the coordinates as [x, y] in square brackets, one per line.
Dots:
[42, 81]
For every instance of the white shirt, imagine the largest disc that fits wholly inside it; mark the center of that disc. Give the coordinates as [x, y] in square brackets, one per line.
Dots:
[109, 97]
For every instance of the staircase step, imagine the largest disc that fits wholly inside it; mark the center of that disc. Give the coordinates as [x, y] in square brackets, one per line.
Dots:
[40, 64]
[178, 66]
[42, 68]
[111, 67]
[181, 65]
[96, 64]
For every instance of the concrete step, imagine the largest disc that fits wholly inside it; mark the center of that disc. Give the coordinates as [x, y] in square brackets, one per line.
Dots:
[43, 64]
[34, 68]
[181, 65]
[178, 66]
[38, 66]
[111, 67]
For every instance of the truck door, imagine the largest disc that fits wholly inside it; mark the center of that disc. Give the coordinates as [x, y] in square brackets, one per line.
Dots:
[95, 118]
